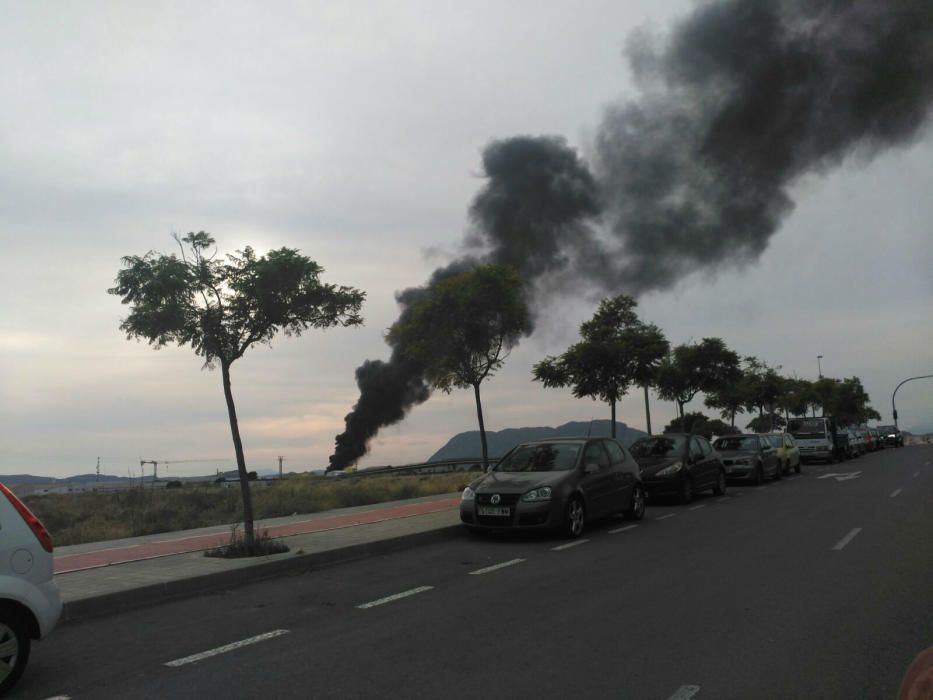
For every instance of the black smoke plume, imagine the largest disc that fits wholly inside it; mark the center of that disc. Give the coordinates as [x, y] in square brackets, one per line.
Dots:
[741, 100]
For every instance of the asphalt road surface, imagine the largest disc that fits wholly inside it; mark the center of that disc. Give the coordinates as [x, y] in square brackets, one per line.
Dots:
[816, 586]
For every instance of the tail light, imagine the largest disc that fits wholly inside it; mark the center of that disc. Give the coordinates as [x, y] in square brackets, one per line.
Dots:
[38, 529]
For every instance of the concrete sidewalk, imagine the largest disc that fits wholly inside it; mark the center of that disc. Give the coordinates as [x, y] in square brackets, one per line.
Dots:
[104, 578]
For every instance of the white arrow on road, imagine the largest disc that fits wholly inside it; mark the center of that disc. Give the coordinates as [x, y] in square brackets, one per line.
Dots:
[845, 476]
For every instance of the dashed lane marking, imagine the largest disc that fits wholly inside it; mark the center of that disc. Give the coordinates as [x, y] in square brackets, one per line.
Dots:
[895, 493]
[916, 474]
[225, 648]
[848, 538]
[397, 596]
[665, 517]
[622, 529]
[496, 567]
[702, 505]
[722, 500]
[562, 547]
[685, 692]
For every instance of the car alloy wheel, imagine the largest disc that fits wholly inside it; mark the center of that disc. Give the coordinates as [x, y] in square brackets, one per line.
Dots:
[14, 650]
[637, 511]
[720, 488]
[576, 517]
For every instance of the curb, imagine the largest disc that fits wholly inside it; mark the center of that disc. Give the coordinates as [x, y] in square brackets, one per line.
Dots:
[275, 565]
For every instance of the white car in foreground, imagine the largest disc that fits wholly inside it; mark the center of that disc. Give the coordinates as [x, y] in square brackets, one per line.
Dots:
[29, 601]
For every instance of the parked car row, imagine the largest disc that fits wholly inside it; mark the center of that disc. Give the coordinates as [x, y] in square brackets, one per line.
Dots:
[560, 484]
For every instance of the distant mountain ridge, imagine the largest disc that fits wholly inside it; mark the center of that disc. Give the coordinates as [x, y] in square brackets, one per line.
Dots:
[467, 445]
[19, 479]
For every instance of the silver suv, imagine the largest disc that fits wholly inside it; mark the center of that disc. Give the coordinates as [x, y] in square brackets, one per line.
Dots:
[29, 601]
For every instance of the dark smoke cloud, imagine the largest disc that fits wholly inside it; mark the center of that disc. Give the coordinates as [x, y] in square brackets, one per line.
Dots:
[744, 98]
[530, 214]
[747, 97]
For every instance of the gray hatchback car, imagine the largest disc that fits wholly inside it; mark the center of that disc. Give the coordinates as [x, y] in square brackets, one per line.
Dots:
[557, 484]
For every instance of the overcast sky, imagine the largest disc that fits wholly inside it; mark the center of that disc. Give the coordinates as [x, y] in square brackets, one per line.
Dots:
[353, 132]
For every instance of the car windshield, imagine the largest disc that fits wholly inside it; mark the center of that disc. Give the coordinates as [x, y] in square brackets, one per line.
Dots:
[776, 440]
[887, 428]
[661, 446]
[548, 457]
[803, 427]
[738, 442]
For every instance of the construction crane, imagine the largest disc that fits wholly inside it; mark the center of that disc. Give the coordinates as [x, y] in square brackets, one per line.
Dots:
[156, 462]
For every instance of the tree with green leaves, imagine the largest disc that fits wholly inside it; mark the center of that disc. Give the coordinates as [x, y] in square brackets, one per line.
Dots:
[764, 388]
[223, 306]
[707, 366]
[463, 328]
[616, 350]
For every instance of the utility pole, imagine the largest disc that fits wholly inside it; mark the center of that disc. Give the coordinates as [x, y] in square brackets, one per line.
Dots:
[98, 468]
[281, 458]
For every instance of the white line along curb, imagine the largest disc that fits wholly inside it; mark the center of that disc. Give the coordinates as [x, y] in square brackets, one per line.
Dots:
[397, 596]
[496, 567]
[895, 494]
[685, 692]
[568, 545]
[227, 647]
[622, 529]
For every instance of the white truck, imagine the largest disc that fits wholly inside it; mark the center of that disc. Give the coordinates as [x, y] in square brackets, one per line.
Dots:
[817, 438]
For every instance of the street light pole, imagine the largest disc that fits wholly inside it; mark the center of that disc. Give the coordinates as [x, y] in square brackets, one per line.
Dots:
[819, 368]
[893, 408]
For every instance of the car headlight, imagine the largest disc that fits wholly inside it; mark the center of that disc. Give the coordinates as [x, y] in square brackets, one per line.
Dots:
[742, 460]
[468, 494]
[671, 470]
[542, 493]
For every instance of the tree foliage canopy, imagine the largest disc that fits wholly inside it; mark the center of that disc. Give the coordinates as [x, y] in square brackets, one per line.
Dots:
[220, 307]
[616, 350]
[464, 328]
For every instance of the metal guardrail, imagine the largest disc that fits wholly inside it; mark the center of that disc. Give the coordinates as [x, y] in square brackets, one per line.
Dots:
[446, 466]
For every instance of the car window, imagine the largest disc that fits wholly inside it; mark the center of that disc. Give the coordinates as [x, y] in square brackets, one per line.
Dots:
[658, 446]
[696, 452]
[595, 454]
[738, 442]
[765, 445]
[546, 457]
[775, 441]
[788, 441]
[706, 448]
[616, 453]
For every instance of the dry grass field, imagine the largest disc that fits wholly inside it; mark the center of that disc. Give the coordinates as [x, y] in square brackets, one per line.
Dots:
[92, 517]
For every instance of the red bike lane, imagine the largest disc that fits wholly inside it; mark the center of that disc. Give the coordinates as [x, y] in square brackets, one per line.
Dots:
[69, 563]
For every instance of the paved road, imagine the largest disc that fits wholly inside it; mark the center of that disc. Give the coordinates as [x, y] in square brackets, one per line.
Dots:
[806, 588]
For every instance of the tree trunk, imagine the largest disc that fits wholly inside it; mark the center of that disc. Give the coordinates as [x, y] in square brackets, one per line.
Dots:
[683, 422]
[612, 412]
[240, 462]
[647, 410]
[482, 427]
[732, 418]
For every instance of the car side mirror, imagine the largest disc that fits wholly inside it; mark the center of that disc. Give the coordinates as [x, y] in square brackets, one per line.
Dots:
[590, 468]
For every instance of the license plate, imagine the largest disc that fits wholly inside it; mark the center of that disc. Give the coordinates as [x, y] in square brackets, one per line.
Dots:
[499, 512]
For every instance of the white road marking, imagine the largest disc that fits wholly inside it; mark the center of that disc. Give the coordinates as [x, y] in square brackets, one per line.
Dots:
[59, 697]
[685, 692]
[227, 647]
[844, 476]
[665, 517]
[496, 567]
[622, 529]
[562, 547]
[722, 500]
[916, 474]
[702, 505]
[895, 493]
[397, 596]
[848, 538]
